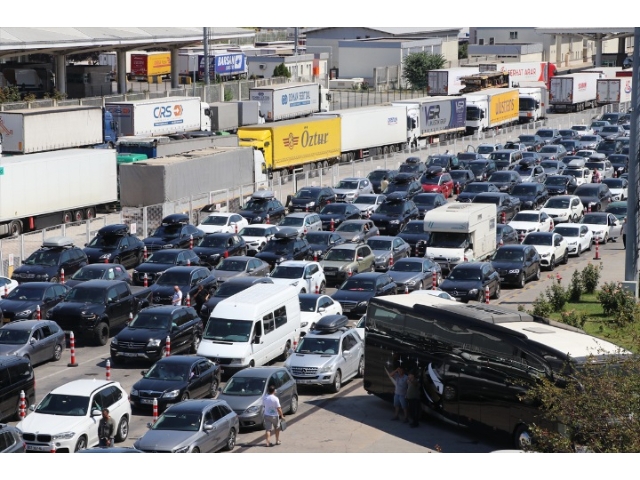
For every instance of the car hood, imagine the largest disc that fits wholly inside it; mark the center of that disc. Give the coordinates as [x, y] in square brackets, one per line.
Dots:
[345, 191]
[555, 211]
[153, 267]
[384, 217]
[381, 253]
[167, 290]
[467, 197]
[200, 251]
[15, 306]
[349, 235]
[54, 424]
[336, 217]
[239, 403]
[165, 440]
[95, 253]
[557, 188]
[544, 249]
[10, 349]
[403, 277]
[460, 285]
[338, 265]
[524, 225]
[158, 385]
[271, 257]
[311, 360]
[319, 247]
[139, 335]
[413, 237]
[223, 275]
[213, 228]
[309, 318]
[526, 198]
[505, 264]
[287, 281]
[591, 199]
[159, 241]
[37, 270]
[352, 296]
[72, 308]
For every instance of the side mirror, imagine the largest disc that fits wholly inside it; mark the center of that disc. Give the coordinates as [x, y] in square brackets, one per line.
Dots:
[346, 352]
[32, 341]
[360, 259]
[96, 413]
[32, 408]
[321, 310]
[208, 427]
[256, 340]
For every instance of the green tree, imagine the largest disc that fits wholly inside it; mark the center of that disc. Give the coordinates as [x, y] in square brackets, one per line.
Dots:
[281, 71]
[9, 94]
[463, 50]
[416, 65]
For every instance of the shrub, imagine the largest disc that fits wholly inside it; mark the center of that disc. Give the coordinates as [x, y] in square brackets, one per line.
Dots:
[591, 277]
[575, 288]
[557, 296]
[619, 304]
[573, 318]
[541, 307]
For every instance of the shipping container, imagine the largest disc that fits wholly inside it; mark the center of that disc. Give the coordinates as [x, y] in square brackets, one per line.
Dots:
[152, 64]
[613, 90]
[249, 113]
[289, 100]
[447, 81]
[574, 92]
[224, 117]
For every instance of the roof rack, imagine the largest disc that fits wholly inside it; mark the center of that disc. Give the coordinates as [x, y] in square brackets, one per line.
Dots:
[286, 232]
[263, 194]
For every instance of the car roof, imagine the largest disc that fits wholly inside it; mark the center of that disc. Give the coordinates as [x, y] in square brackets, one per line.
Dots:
[470, 265]
[101, 266]
[116, 229]
[35, 285]
[346, 246]
[369, 275]
[82, 386]
[296, 263]
[300, 214]
[12, 360]
[220, 234]
[412, 259]
[181, 359]
[164, 308]
[248, 280]
[382, 237]
[195, 405]
[98, 283]
[514, 247]
[353, 178]
[176, 218]
[27, 324]
[178, 269]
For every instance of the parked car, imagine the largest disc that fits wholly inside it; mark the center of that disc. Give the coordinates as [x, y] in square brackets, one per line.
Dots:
[339, 212]
[368, 204]
[594, 196]
[388, 250]
[404, 185]
[162, 260]
[354, 294]
[343, 261]
[304, 222]
[263, 208]
[314, 306]
[11, 439]
[286, 244]
[174, 232]
[564, 208]
[467, 281]
[414, 234]
[532, 195]
[485, 149]
[529, 221]
[506, 235]
[47, 263]
[22, 302]
[570, 146]
[411, 274]
[240, 266]
[530, 172]
[549, 135]
[619, 188]
[553, 249]
[446, 161]
[589, 142]
[603, 166]
[256, 236]
[349, 189]
[115, 244]
[579, 237]
[604, 226]
[214, 247]
[99, 271]
[357, 230]
[311, 199]
[516, 145]
[36, 340]
[440, 182]
[504, 203]
[552, 167]
[505, 158]
[568, 134]
[581, 174]
[516, 264]
[413, 166]
[394, 214]
[321, 242]
[619, 209]
[429, 201]
[187, 279]
[505, 181]
[611, 132]
[619, 162]
[482, 169]
[532, 142]
[582, 130]
[306, 276]
[461, 178]
[376, 177]
[473, 189]
[221, 222]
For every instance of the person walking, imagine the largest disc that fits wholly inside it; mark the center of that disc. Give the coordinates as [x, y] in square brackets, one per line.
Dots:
[200, 298]
[106, 429]
[272, 415]
[413, 399]
[624, 233]
[400, 379]
[596, 176]
[384, 183]
[176, 300]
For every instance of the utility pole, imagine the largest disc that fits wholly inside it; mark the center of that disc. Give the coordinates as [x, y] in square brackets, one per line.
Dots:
[207, 68]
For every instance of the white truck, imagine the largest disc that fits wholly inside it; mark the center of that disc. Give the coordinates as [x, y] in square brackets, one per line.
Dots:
[446, 81]
[41, 190]
[613, 90]
[290, 100]
[160, 116]
[491, 108]
[523, 72]
[574, 92]
[460, 232]
[533, 100]
[370, 130]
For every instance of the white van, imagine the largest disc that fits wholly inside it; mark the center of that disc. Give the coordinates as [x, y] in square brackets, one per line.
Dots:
[253, 327]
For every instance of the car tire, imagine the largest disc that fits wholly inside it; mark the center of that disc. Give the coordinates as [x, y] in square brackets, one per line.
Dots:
[579, 250]
[537, 276]
[293, 407]
[522, 437]
[285, 353]
[337, 382]
[552, 263]
[123, 429]
[323, 288]
[213, 388]
[360, 373]
[81, 444]
[101, 334]
[57, 352]
[590, 245]
[195, 450]
[496, 292]
[522, 281]
[231, 440]
[565, 259]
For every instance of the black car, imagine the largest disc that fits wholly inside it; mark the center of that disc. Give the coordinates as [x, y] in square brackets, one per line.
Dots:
[482, 169]
[286, 244]
[227, 289]
[187, 279]
[561, 184]
[619, 162]
[22, 302]
[504, 203]
[411, 274]
[595, 197]
[174, 232]
[216, 246]
[532, 195]
[505, 181]
[506, 235]
[465, 157]
[532, 142]
[376, 177]
[310, 199]
[571, 146]
[467, 281]
[338, 212]
[263, 207]
[569, 134]
[354, 294]
[609, 147]
[414, 234]
[160, 261]
[175, 379]
[404, 184]
[145, 337]
[99, 271]
[461, 178]
[517, 264]
[413, 166]
[320, 242]
[115, 244]
[428, 201]
[392, 215]
[474, 188]
[46, 264]
[447, 161]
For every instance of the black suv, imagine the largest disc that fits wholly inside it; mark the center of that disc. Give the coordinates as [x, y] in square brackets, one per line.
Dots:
[310, 199]
[17, 375]
[115, 244]
[286, 244]
[174, 232]
[376, 177]
[404, 184]
[504, 203]
[447, 161]
[217, 246]
[532, 195]
[413, 166]
[159, 261]
[482, 169]
[517, 264]
[263, 207]
[47, 263]
[338, 212]
[188, 279]
[392, 215]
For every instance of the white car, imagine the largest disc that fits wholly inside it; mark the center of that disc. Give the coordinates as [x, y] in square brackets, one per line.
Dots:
[583, 129]
[367, 204]
[552, 247]
[68, 416]
[6, 285]
[528, 221]
[564, 208]
[582, 175]
[256, 236]
[223, 223]
[307, 277]
[313, 307]
[486, 149]
[619, 188]
[604, 226]
[579, 238]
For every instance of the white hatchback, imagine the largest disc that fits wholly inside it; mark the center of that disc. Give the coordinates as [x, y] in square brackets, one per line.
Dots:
[564, 208]
[528, 221]
[223, 223]
[307, 277]
[257, 235]
[579, 237]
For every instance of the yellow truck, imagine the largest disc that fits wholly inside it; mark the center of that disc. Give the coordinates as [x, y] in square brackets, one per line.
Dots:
[492, 108]
[150, 66]
[308, 143]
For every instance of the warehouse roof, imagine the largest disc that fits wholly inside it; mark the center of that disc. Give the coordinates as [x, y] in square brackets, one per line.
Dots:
[395, 30]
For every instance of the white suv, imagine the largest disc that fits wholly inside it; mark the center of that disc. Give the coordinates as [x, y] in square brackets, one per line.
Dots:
[307, 277]
[223, 223]
[69, 416]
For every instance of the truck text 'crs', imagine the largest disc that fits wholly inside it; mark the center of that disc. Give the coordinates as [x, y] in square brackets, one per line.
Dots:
[167, 111]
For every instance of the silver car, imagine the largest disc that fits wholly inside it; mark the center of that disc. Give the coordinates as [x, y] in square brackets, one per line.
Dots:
[37, 340]
[303, 222]
[192, 426]
[349, 189]
[235, 267]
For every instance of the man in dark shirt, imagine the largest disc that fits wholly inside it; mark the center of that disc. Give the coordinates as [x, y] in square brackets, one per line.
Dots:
[106, 429]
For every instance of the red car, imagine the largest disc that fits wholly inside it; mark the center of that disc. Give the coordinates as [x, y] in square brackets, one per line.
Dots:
[439, 182]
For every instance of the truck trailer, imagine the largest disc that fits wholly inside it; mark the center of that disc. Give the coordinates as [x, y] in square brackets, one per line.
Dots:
[446, 81]
[533, 100]
[53, 200]
[492, 108]
[290, 100]
[574, 92]
[148, 66]
[613, 90]
[521, 72]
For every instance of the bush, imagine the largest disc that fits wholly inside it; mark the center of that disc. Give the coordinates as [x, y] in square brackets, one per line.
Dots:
[619, 304]
[557, 296]
[541, 307]
[591, 277]
[575, 289]
[573, 318]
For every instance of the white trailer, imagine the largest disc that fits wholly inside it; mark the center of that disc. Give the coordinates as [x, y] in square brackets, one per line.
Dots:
[574, 92]
[160, 116]
[35, 189]
[370, 130]
[613, 90]
[533, 101]
[290, 100]
[446, 81]
[521, 72]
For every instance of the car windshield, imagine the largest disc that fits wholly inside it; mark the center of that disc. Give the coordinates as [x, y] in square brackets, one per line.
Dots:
[68, 405]
[292, 222]
[85, 295]
[599, 123]
[616, 210]
[587, 190]
[339, 255]
[215, 220]
[179, 421]
[350, 227]
[477, 187]
[367, 200]
[283, 271]
[256, 205]
[229, 288]
[213, 241]
[579, 128]
[549, 164]
[557, 203]
[538, 239]
[318, 238]
[88, 274]
[526, 217]
[391, 208]
[528, 138]
[279, 247]
[151, 321]
[409, 167]
[425, 200]
[448, 240]
[567, 231]
[47, 258]
[174, 278]
[484, 149]
[24, 293]
[589, 139]
[524, 190]
[500, 177]
[168, 231]
[509, 254]
[358, 285]
[500, 156]
[223, 330]
[477, 168]
[465, 274]
[594, 219]
[245, 386]
[414, 227]
[347, 185]
[595, 166]
[305, 193]
[397, 187]
[614, 182]
[308, 304]
[379, 244]
[105, 241]
[545, 133]
[163, 257]
[169, 371]
[231, 265]
[334, 209]
[566, 133]
[319, 346]
[252, 232]
[14, 337]
[458, 175]
[437, 162]
[610, 129]
[404, 266]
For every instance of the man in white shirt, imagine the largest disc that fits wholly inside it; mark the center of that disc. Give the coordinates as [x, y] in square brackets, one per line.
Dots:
[272, 414]
[176, 300]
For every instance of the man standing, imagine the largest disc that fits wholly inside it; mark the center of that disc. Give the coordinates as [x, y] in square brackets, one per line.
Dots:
[384, 184]
[106, 429]
[624, 233]
[176, 300]
[400, 380]
[200, 298]
[413, 399]
[272, 413]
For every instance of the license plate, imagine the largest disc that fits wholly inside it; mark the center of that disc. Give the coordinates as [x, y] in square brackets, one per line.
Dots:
[38, 448]
[304, 381]
[146, 401]
[127, 354]
[330, 274]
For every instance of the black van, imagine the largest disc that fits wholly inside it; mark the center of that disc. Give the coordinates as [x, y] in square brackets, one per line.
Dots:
[16, 375]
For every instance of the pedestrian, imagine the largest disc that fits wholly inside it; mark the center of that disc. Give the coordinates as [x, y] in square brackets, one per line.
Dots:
[399, 378]
[176, 300]
[272, 415]
[200, 298]
[106, 429]
[596, 176]
[624, 233]
[384, 184]
[413, 399]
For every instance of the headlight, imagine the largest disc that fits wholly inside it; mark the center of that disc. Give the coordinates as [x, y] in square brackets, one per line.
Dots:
[411, 282]
[252, 410]
[394, 222]
[114, 341]
[311, 204]
[89, 316]
[516, 271]
[168, 245]
[325, 369]
[134, 392]
[545, 255]
[171, 394]
[63, 436]
[26, 313]
[43, 276]
[573, 243]
[105, 256]
[473, 291]
[304, 324]
[182, 449]
[154, 342]
[599, 232]
[363, 304]
[356, 238]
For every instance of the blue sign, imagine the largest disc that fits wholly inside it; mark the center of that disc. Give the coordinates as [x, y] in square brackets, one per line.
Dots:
[225, 64]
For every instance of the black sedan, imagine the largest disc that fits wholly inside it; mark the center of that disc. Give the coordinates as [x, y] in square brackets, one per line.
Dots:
[99, 271]
[227, 289]
[338, 212]
[413, 233]
[561, 184]
[415, 274]
[175, 379]
[474, 188]
[467, 281]
[174, 232]
[595, 197]
[160, 261]
[213, 248]
[404, 184]
[321, 242]
[619, 162]
[187, 279]
[482, 169]
[505, 180]
[532, 142]
[461, 178]
[504, 203]
[241, 266]
[506, 235]
[428, 201]
[355, 293]
[517, 264]
[532, 195]
[23, 301]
